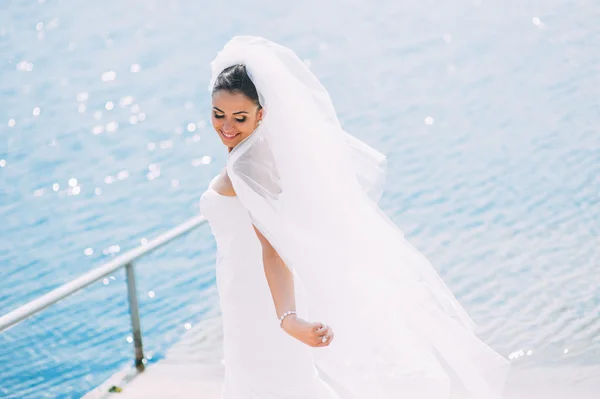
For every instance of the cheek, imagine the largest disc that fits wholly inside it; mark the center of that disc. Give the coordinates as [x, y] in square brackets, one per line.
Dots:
[247, 126]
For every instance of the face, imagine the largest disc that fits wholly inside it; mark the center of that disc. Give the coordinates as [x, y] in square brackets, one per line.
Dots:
[234, 117]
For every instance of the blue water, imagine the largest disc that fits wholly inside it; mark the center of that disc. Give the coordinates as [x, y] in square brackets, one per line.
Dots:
[487, 110]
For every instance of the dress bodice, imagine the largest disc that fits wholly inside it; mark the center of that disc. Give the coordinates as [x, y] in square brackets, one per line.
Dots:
[229, 221]
[239, 253]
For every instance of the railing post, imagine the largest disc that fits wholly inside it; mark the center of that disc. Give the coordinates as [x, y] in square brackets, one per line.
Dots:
[135, 317]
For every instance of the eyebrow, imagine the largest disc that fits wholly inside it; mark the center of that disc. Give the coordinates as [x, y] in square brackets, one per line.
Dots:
[235, 113]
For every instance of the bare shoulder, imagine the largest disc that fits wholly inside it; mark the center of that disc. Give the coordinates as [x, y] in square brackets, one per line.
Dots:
[223, 186]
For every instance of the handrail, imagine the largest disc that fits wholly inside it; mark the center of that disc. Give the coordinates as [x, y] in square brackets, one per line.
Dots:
[126, 260]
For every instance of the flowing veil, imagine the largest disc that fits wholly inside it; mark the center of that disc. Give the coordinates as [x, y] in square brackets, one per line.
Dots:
[312, 190]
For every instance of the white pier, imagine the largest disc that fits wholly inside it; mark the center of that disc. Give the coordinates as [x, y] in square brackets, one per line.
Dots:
[191, 369]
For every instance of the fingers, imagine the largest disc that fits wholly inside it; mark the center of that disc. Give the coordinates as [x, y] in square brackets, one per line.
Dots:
[322, 331]
[329, 337]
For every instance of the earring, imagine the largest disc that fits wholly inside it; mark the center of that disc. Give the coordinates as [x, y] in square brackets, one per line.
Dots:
[259, 121]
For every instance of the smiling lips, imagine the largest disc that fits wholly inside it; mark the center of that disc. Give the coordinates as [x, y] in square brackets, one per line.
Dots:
[228, 136]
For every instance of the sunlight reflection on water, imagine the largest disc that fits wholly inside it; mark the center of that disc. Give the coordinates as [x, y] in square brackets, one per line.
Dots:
[486, 111]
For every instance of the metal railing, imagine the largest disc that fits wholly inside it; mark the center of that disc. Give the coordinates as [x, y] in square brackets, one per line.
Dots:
[126, 260]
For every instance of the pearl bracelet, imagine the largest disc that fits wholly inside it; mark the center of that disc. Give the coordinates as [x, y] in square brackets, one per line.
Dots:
[286, 314]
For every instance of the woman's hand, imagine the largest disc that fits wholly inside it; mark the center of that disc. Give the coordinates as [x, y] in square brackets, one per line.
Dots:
[309, 333]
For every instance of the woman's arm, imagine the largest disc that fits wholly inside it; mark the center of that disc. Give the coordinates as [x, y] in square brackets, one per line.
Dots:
[281, 284]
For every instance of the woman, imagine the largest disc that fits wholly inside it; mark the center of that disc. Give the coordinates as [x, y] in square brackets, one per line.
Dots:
[301, 240]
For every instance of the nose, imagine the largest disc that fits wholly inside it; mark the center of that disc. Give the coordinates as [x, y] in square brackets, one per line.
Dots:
[228, 127]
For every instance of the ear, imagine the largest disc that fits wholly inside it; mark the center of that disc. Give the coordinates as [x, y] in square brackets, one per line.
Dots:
[259, 114]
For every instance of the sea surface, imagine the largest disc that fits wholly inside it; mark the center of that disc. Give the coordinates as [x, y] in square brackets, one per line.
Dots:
[488, 112]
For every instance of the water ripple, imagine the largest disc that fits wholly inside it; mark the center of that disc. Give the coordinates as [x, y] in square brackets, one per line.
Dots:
[487, 114]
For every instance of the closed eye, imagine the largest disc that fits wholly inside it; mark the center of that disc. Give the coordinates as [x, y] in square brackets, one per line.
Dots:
[221, 116]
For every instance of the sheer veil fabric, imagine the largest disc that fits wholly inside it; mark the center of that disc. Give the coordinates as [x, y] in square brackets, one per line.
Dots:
[312, 190]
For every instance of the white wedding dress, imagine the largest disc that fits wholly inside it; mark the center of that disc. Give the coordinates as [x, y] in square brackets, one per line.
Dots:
[261, 360]
[312, 190]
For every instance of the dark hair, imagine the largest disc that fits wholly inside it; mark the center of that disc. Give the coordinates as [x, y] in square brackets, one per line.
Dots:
[235, 79]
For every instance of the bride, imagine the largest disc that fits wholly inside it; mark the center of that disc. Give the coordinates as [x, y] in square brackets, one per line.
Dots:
[321, 295]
